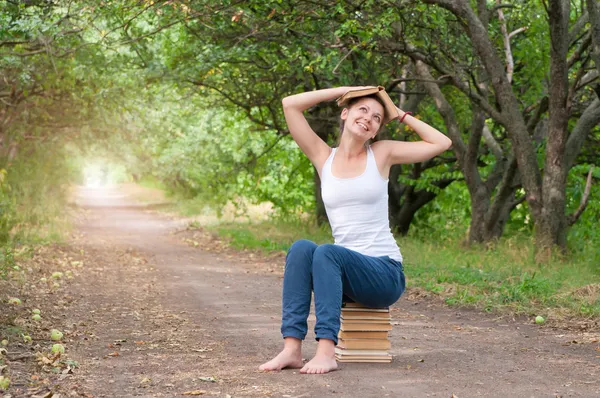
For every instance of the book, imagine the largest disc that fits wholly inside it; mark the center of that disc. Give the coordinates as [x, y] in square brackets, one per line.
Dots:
[363, 358]
[365, 315]
[383, 360]
[364, 344]
[364, 309]
[345, 334]
[367, 327]
[366, 321]
[391, 112]
[352, 306]
[374, 353]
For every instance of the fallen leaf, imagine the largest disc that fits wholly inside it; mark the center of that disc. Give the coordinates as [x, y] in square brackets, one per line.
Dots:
[195, 392]
[113, 354]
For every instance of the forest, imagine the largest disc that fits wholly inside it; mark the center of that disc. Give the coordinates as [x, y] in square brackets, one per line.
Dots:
[186, 95]
[182, 99]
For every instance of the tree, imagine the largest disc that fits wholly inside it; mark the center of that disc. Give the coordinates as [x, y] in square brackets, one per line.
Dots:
[252, 54]
[510, 108]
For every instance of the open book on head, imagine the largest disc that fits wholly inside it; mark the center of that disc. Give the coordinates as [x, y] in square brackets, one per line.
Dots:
[391, 112]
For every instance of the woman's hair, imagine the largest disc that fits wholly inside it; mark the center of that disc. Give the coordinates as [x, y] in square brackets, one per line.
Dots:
[354, 101]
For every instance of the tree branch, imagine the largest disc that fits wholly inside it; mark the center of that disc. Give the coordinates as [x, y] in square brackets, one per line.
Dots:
[588, 120]
[593, 9]
[577, 27]
[540, 110]
[445, 110]
[510, 64]
[572, 219]
[247, 108]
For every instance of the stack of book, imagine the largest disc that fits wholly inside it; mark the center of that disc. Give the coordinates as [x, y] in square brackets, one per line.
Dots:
[363, 334]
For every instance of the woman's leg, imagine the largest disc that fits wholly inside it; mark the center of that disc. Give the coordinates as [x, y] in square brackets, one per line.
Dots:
[297, 289]
[372, 281]
[297, 292]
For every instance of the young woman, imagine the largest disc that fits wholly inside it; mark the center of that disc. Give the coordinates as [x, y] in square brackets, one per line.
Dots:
[365, 263]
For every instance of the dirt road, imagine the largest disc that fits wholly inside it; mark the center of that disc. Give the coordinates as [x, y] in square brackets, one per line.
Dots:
[158, 317]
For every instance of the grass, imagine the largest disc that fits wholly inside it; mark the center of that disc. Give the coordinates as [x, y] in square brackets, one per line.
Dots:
[504, 277]
[270, 236]
[500, 279]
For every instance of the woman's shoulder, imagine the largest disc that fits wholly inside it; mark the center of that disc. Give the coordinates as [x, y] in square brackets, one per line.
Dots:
[381, 148]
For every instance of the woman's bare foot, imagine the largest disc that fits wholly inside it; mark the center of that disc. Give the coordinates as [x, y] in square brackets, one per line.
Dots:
[320, 364]
[290, 357]
[323, 361]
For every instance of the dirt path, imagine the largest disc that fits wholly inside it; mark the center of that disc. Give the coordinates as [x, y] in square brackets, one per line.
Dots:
[154, 316]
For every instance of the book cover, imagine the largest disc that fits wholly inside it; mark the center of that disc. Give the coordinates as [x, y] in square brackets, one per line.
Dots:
[362, 335]
[391, 112]
[359, 307]
[367, 344]
[367, 327]
[364, 309]
[362, 320]
[376, 353]
[365, 315]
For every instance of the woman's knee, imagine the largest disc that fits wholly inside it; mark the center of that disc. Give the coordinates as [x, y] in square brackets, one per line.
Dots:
[302, 249]
[326, 255]
[326, 250]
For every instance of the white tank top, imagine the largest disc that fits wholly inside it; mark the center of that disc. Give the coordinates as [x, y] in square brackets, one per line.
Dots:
[357, 209]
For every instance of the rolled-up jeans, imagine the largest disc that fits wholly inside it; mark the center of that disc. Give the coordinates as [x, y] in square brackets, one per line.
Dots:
[334, 272]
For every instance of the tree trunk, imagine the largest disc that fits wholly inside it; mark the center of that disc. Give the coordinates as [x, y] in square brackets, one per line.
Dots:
[480, 205]
[550, 226]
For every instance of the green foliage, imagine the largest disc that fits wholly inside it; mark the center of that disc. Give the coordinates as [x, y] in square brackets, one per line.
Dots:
[187, 95]
[271, 236]
[216, 156]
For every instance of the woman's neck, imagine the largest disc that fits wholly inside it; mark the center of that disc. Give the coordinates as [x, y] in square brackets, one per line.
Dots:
[351, 148]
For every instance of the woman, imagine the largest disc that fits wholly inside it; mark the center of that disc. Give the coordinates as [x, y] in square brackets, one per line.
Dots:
[364, 264]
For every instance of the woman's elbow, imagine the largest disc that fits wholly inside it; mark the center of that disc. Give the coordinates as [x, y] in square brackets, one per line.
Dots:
[287, 102]
[447, 144]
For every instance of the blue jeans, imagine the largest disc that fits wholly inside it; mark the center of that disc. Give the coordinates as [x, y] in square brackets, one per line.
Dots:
[332, 272]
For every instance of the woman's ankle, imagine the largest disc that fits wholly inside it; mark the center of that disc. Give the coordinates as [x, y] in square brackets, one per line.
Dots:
[292, 344]
[326, 347]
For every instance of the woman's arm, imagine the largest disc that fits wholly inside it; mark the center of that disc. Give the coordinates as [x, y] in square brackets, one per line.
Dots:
[433, 143]
[309, 142]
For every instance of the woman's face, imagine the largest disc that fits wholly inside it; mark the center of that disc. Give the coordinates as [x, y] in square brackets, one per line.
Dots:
[363, 118]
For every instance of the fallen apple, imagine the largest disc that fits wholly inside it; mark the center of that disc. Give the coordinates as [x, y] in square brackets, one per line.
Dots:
[26, 338]
[539, 319]
[36, 317]
[56, 334]
[58, 348]
[43, 280]
[14, 301]
[57, 275]
[4, 342]
[4, 383]
[36, 311]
